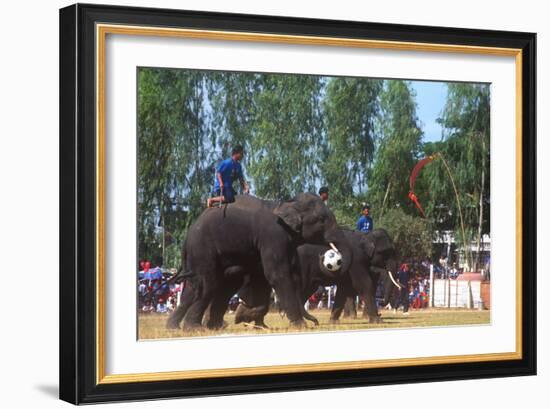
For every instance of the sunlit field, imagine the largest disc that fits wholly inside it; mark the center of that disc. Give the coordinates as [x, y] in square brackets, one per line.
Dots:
[153, 326]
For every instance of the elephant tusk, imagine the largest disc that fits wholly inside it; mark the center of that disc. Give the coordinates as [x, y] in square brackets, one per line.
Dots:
[393, 280]
[334, 247]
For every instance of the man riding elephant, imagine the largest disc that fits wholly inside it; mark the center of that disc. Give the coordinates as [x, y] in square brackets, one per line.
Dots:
[252, 232]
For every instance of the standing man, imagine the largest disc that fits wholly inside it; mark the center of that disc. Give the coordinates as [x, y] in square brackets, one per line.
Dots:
[323, 193]
[403, 279]
[365, 223]
[227, 172]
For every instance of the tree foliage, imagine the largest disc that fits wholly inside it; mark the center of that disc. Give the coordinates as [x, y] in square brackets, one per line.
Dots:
[351, 106]
[412, 236]
[360, 137]
[465, 146]
[398, 149]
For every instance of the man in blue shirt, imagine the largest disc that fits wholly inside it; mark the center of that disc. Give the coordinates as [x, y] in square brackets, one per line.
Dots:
[226, 173]
[365, 223]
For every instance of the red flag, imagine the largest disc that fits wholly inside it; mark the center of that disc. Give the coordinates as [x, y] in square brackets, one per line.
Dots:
[413, 197]
[412, 181]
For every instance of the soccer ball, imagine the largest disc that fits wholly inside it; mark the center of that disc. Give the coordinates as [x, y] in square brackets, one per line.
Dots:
[332, 260]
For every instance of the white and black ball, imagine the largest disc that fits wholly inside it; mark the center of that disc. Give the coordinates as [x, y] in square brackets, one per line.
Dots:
[332, 260]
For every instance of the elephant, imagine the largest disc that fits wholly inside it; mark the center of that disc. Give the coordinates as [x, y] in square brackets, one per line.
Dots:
[374, 256]
[225, 242]
[234, 276]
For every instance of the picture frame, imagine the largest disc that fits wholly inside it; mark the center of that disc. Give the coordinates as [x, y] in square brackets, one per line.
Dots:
[83, 180]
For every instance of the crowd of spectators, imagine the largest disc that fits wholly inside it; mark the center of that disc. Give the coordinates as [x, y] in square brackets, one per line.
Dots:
[155, 292]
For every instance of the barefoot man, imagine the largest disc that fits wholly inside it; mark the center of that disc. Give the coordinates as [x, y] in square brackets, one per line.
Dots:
[226, 173]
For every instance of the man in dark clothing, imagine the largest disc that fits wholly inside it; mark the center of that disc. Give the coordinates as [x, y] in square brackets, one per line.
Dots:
[403, 279]
[227, 172]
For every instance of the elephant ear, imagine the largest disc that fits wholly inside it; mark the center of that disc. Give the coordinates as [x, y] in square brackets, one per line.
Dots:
[383, 241]
[377, 241]
[367, 244]
[289, 215]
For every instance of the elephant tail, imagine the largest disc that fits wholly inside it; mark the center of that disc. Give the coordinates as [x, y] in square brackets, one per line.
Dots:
[186, 274]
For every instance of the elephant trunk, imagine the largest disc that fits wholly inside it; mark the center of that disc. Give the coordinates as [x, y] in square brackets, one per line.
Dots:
[391, 286]
[338, 242]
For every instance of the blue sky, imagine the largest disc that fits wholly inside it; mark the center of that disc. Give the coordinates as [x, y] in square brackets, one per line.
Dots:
[430, 99]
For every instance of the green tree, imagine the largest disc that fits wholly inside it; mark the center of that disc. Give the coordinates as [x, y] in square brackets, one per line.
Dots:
[174, 160]
[412, 236]
[287, 127]
[277, 119]
[465, 146]
[350, 106]
[398, 148]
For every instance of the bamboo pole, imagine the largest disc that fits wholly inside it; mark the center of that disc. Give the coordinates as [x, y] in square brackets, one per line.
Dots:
[459, 208]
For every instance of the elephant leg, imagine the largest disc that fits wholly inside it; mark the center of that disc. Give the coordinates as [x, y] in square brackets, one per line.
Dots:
[195, 313]
[371, 310]
[219, 303]
[350, 309]
[289, 301]
[256, 296]
[339, 302]
[277, 273]
[187, 298]
[246, 313]
[368, 291]
[209, 285]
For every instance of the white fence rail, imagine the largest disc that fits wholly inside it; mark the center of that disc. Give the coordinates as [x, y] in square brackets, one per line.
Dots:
[457, 293]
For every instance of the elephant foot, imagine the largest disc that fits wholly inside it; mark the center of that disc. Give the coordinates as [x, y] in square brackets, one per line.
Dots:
[170, 324]
[334, 321]
[375, 320]
[298, 323]
[239, 318]
[217, 325]
[255, 326]
[192, 327]
[261, 324]
[249, 314]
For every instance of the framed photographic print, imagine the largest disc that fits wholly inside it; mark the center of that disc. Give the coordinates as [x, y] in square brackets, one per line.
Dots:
[257, 203]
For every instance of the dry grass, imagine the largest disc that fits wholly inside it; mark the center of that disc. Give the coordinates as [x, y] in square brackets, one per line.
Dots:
[152, 326]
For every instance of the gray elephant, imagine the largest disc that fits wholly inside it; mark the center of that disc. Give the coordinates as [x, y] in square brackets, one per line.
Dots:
[239, 237]
[374, 258]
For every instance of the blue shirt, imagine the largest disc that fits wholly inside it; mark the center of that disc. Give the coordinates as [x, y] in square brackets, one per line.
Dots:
[365, 224]
[156, 273]
[229, 170]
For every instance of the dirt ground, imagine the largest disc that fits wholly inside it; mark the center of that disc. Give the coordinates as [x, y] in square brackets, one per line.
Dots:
[153, 325]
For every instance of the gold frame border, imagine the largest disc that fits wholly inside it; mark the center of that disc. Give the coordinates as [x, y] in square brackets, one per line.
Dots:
[101, 32]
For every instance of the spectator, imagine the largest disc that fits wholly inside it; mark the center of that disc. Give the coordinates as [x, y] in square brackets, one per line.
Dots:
[403, 279]
[147, 307]
[443, 264]
[161, 306]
